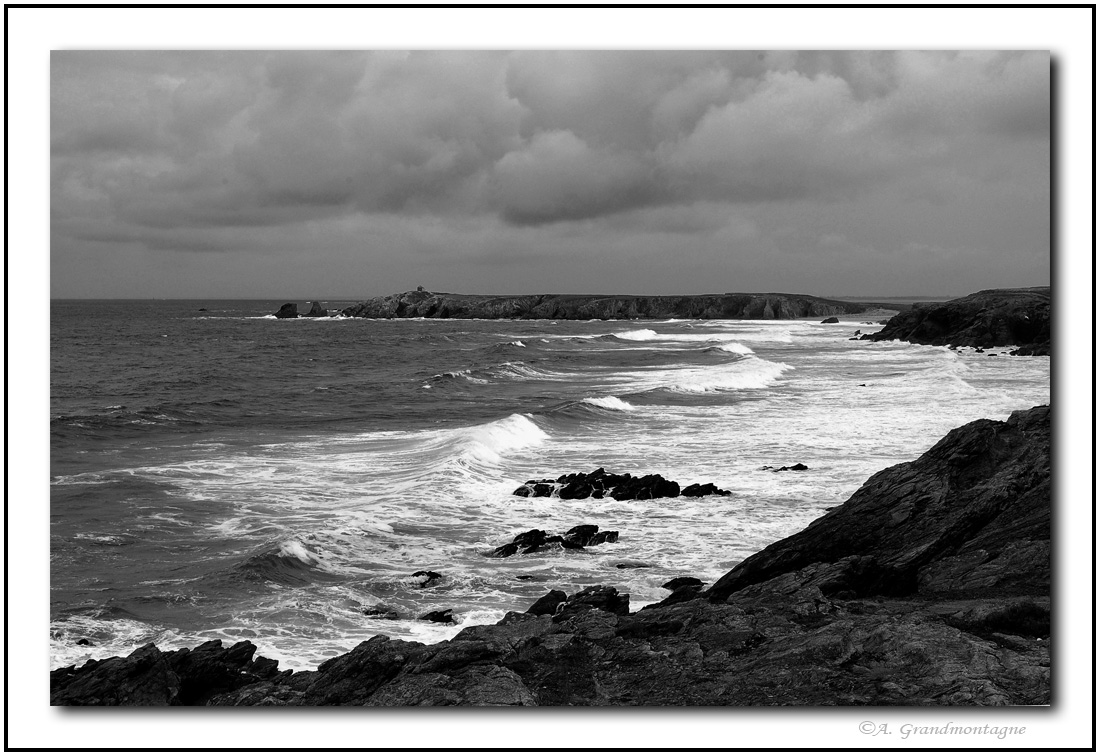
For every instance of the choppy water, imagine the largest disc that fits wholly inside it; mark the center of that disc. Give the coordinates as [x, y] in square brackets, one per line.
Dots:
[223, 474]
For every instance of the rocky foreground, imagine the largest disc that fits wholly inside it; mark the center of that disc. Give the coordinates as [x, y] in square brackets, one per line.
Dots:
[426, 304]
[929, 586]
[990, 318]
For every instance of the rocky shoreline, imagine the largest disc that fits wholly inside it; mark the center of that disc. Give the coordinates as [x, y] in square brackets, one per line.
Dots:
[929, 586]
[990, 318]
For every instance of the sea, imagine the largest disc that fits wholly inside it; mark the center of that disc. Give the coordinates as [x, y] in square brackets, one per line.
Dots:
[216, 473]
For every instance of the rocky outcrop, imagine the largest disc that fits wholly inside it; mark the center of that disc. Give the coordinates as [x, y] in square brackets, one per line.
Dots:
[426, 304]
[621, 487]
[150, 677]
[995, 317]
[928, 587]
[577, 537]
[316, 311]
[289, 310]
[969, 518]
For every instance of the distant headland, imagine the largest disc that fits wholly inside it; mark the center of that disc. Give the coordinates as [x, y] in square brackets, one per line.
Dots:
[427, 304]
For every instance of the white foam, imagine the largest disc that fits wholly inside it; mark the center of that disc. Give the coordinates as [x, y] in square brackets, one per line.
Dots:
[610, 402]
[643, 334]
[489, 441]
[734, 347]
[750, 372]
[296, 550]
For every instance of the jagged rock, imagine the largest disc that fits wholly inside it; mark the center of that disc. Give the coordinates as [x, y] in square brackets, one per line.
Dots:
[148, 677]
[984, 487]
[603, 597]
[548, 604]
[575, 538]
[798, 466]
[316, 311]
[990, 318]
[621, 487]
[442, 616]
[289, 310]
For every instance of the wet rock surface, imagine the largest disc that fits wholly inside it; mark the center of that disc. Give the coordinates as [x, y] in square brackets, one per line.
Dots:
[577, 537]
[928, 587]
[622, 487]
[991, 318]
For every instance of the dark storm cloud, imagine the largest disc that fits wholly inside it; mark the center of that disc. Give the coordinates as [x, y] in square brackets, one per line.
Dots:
[189, 150]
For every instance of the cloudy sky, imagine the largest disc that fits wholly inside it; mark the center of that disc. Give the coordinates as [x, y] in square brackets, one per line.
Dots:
[350, 174]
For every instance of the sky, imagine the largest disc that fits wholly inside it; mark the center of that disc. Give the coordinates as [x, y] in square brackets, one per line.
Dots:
[348, 174]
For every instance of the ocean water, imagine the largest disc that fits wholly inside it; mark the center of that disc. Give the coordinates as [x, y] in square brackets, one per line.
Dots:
[223, 474]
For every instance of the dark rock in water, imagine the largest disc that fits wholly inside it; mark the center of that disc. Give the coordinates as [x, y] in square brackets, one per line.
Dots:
[443, 616]
[681, 582]
[600, 483]
[429, 577]
[526, 577]
[381, 611]
[202, 309]
[703, 489]
[797, 466]
[316, 311]
[830, 320]
[548, 604]
[575, 538]
[289, 310]
[991, 318]
[632, 565]
[84, 642]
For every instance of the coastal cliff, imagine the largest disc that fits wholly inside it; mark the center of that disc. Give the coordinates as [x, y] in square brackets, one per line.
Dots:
[929, 586]
[425, 304]
[990, 318]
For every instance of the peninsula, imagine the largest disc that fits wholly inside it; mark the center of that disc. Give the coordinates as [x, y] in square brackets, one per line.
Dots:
[426, 304]
[989, 318]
